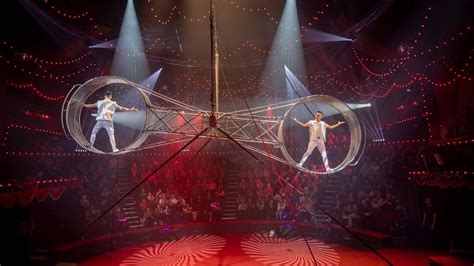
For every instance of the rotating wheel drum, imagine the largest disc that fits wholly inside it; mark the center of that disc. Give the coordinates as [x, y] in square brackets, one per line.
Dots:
[350, 118]
[72, 109]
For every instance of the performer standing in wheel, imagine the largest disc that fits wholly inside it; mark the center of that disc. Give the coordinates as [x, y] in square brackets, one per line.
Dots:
[104, 117]
[317, 137]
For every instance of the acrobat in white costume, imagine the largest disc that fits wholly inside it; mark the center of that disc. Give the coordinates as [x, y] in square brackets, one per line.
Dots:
[317, 137]
[104, 117]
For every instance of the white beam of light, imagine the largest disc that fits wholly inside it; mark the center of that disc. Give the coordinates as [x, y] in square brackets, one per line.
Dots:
[150, 82]
[329, 111]
[380, 128]
[300, 91]
[316, 36]
[287, 50]
[355, 106]
[130, 59]
[294, 86]
[105, 45]
[131, 120]
[372, 123]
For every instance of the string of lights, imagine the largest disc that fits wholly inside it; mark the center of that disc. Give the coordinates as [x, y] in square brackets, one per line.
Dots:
[36, 91]
[402, 62]
[424, 52]
[316, 17]
[35, 183]
[37, 115]
[461, 73]
[29, 58]
[396, 65]
[453, 142]
[166, 19]
[52, 77]
[158, 40]
[427, 174]
[63, 13]
[449, 142]
[407, 47]
[66, 14]
[408, 119]
[261, 10]
[248, 45]
[27, 128]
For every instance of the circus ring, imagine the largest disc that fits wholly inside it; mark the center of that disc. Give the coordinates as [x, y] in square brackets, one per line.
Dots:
[228, 243]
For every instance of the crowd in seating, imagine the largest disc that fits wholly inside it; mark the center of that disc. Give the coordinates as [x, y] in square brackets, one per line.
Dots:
[367, 196]
[174, 196]
[100, 190]
[370, 194]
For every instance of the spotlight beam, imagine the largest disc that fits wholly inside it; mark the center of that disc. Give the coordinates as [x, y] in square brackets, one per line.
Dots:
[130, 59]
[371, 131]
[151, 80]
[105, 45]
[376, 126]
[316, 36]
[296, 85]
[287, 45]
[129, 119]
[378, 122]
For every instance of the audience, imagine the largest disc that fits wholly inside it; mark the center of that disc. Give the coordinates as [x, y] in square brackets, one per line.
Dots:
[368, 195]
[174, 196]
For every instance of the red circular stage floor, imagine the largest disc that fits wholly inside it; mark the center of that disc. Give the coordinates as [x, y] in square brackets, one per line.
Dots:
[249, 245]
[177, 253]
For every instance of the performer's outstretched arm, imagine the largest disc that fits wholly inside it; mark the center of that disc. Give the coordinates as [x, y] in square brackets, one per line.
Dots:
[299, 123]
[335, 125]
[121, 108]
[89, 105]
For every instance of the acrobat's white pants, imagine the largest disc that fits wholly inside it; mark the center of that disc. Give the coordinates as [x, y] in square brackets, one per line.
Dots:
[322, 149]
[109, 126]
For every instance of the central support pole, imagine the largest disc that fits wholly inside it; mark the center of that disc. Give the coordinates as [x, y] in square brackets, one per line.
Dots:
[211, 21]
[214, 73]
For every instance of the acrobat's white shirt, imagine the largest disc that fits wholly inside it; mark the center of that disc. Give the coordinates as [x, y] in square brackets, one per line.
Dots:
[317, 130]
[105, 109]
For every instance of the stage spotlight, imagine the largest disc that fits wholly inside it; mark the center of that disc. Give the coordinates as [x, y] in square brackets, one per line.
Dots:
[130, 60]
[286, 53]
